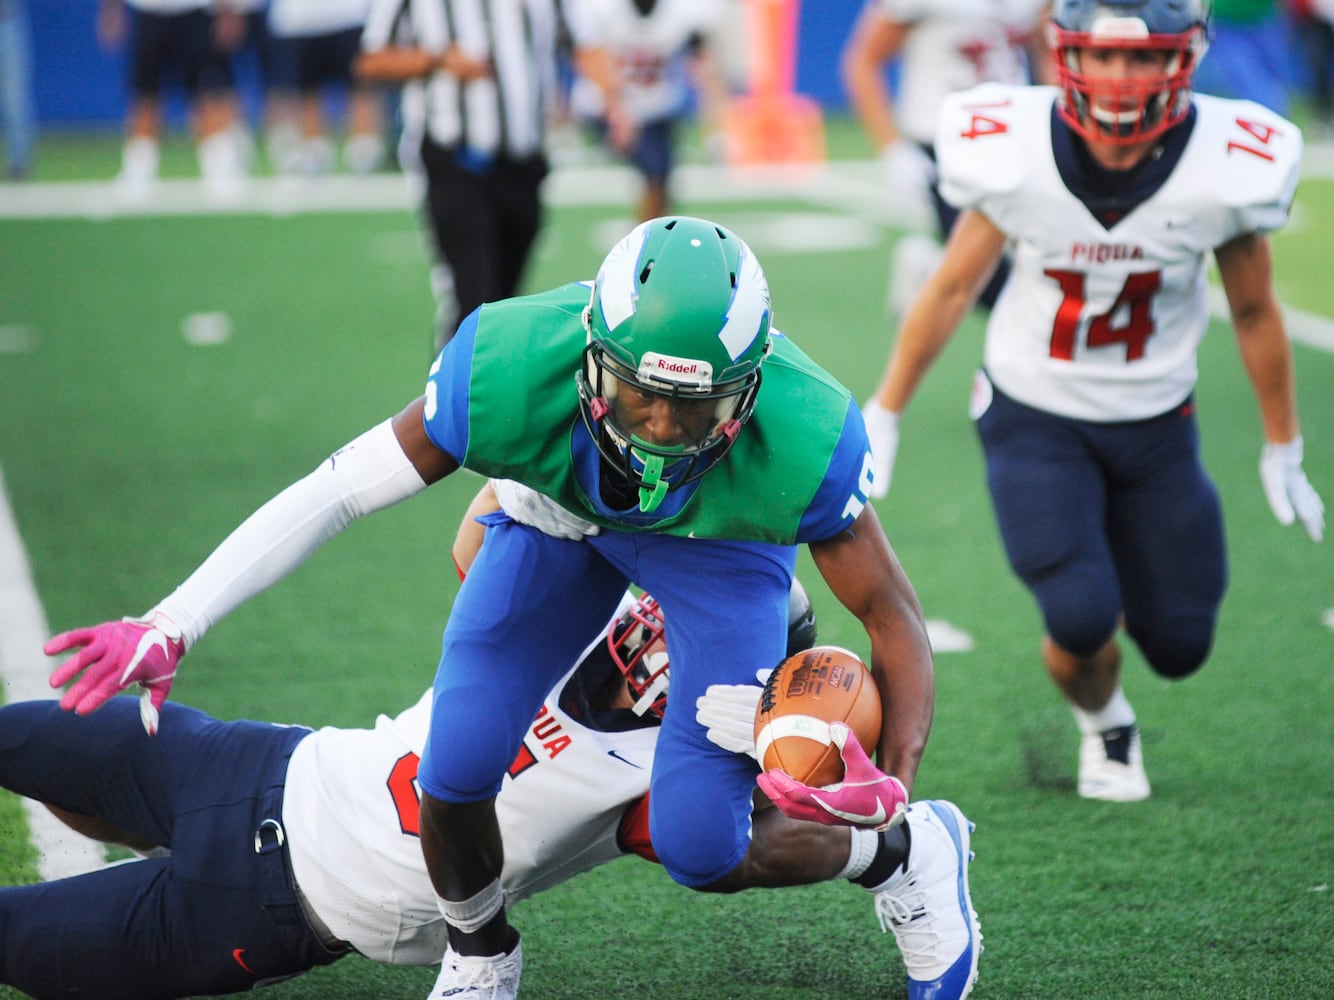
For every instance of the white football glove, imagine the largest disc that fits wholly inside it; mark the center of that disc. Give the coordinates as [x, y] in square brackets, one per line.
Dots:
[527, 506]
[882, 429]
[1290, 494]
[727, 712]
[909, 174]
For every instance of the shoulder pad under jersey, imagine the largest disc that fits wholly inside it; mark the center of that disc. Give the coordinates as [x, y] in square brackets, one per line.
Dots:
[984, 137]
[1253, 158]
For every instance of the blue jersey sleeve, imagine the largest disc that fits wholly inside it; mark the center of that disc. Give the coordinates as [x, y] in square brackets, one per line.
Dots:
[844, 490]
[447, 384]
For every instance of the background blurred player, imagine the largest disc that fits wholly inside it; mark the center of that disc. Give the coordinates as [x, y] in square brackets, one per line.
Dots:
[314, 46]
[18, 106]
[934, 48]
[1114, 189]
[488, 75]
[660, 56]
[190, 42]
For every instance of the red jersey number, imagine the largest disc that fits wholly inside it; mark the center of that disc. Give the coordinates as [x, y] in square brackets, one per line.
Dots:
[1128, 322]
[1259, 136]
[981, 123]
[406, 793]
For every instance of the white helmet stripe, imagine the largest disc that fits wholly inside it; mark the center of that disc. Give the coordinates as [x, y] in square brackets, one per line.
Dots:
[750, 305]
[618, 278]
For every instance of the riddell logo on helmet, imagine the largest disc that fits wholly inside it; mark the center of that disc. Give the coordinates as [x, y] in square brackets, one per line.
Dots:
[665, 368]
[678, 367]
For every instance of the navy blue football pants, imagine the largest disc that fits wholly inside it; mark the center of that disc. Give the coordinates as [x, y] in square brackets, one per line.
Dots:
[1100, 520]
[219, 915]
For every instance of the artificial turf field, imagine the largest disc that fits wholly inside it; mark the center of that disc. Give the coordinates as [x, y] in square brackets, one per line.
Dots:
[128, 451]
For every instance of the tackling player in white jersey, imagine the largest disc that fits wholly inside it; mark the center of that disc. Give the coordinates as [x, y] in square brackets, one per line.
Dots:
[304, 847]
[1114, 189]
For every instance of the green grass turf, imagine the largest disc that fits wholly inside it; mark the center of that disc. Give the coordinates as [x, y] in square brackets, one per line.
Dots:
[128, 455]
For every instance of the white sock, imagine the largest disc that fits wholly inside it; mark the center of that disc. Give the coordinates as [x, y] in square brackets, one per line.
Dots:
[139, 159]
[1117, 712]
[363, 154]
[861, 852]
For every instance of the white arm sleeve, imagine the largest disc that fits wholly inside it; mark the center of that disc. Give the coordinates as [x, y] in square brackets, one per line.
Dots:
[367, 474]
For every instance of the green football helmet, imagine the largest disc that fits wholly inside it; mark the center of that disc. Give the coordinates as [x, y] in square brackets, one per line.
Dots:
[678, 326]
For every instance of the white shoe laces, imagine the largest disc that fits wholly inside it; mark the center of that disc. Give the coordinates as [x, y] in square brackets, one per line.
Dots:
[483, 976]
[474, 976]
[911, 923]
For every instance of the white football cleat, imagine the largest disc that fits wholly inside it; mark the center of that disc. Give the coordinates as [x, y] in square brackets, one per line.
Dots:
[1111, 766]
[928, 908]
[487, 977]
[138, 172]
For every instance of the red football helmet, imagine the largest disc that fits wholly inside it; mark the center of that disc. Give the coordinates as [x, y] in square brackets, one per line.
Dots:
[1126, 112]
[635, 641]
[637, 649]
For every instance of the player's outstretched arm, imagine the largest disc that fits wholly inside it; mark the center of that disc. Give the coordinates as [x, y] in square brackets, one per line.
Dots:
[1245, 265]
[974, 249]
[389, 463]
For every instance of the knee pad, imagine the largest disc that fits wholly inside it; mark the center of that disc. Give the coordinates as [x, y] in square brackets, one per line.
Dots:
[696, 861]
[1179, 650]
[1076, 619]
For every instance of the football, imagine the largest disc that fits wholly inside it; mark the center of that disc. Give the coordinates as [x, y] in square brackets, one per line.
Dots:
[808, 692]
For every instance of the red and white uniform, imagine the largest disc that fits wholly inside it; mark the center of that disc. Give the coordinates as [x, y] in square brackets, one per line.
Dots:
[954, 45]
[574, 798]
[1103, 323]
[649, 52]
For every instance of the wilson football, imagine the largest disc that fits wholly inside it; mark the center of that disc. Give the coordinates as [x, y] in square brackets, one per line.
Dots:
[808, 692]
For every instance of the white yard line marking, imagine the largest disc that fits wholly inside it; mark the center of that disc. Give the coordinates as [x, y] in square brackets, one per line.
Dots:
[23, 669]
[947, 638]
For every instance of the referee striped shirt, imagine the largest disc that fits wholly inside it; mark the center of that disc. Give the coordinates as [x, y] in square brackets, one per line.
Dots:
[506, 113]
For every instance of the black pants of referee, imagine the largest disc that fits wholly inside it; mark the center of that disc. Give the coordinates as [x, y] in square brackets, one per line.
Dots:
[485, 214]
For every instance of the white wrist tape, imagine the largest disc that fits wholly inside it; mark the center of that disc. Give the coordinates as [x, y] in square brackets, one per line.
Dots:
[471, 914]
[365, 475]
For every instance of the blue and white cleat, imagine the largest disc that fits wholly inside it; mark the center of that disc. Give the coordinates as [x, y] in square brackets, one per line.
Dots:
[928, 908]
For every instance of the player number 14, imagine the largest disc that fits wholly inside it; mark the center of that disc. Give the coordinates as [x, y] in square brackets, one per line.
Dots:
[1129, 321]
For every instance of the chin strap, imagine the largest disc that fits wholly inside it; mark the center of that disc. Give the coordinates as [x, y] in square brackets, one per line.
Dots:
[654, 487]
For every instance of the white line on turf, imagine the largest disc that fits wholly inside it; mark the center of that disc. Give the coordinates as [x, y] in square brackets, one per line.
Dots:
[23, 629]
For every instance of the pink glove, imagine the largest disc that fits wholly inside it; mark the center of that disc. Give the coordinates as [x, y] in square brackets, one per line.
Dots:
[114, 656]
[865, 797]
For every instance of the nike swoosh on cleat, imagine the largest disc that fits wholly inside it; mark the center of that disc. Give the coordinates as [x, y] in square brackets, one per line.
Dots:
[623, 760]
[236, 954]
[151, 638]
[859, 819]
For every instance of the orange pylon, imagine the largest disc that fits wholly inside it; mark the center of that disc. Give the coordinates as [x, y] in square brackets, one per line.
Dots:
[771, 123]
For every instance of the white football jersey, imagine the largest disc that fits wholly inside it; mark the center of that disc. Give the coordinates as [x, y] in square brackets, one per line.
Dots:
[954, 45]
[303, 18]
[1103, 323]
[351, 807]
[649, 53]
[167, 6]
